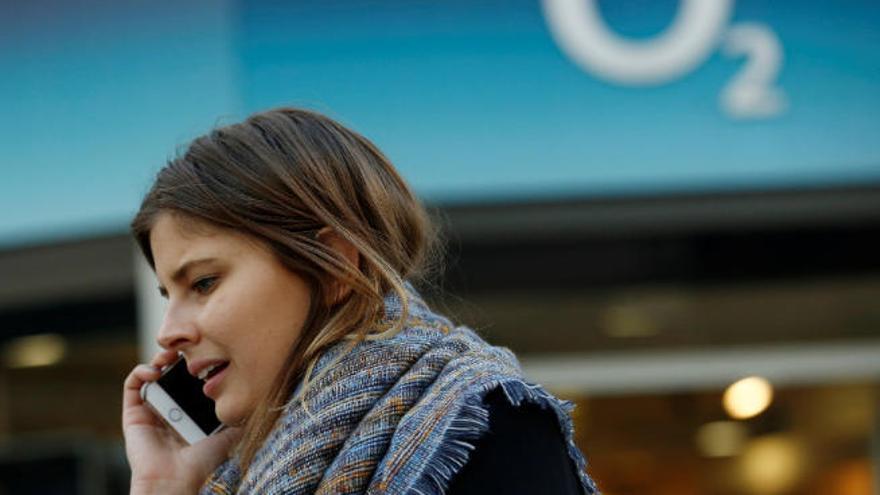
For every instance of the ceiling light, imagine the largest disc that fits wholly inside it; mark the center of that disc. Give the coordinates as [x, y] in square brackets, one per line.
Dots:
[34, 350]
[748, 397]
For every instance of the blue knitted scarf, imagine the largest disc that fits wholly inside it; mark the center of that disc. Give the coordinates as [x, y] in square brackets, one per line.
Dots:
[391, 416]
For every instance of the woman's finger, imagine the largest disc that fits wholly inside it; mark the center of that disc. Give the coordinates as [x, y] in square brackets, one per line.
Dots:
[164, 358]
[134, 411]
[141, 374]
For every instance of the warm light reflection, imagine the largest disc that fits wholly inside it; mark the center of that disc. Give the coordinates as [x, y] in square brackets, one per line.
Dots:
[34, 350]
[850, 477]
[772, 464]
[721, 438]
[748, 397]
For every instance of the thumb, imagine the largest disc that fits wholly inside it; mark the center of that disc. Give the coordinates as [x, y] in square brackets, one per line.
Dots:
[207, 454]
[214, 449]
[225, 440]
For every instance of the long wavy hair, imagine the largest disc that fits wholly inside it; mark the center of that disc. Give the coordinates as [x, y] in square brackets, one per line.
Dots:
[281, 176]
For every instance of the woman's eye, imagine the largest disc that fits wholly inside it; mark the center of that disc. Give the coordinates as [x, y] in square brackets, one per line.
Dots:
[203, 285]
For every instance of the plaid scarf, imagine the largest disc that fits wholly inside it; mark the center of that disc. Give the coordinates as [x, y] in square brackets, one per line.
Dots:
[397, 415]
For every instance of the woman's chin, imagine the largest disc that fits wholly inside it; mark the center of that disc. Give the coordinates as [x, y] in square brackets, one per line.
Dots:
[227, 415]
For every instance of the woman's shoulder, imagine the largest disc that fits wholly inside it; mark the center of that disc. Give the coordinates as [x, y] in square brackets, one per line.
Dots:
[524, 451]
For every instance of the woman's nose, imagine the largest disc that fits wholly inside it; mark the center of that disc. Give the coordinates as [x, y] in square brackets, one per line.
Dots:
[177, 331]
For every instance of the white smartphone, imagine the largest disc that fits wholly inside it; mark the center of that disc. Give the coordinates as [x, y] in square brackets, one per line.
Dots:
[178, 398]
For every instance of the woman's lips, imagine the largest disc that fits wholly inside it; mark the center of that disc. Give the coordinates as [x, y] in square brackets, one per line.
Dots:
[211, 385]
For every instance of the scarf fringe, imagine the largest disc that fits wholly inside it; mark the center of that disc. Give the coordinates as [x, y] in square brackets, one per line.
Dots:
[472, 422]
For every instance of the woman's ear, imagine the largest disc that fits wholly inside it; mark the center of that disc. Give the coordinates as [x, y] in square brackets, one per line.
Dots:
[347, 250]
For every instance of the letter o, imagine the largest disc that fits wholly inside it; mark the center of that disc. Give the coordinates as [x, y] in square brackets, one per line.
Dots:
[580, 30]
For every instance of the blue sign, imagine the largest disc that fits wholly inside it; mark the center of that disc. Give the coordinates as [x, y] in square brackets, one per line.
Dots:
[485, 99]
[94, 97]
[473, 100]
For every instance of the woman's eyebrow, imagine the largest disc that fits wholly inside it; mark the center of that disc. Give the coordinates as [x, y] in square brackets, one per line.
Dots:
[181, 271]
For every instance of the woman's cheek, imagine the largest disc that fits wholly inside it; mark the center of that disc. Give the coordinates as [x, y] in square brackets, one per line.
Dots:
[219, 314]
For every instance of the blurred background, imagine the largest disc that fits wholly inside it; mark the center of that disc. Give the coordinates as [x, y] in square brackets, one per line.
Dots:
[669, 209]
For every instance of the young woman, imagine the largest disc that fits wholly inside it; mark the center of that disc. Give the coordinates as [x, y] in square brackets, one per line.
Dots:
[285, 246]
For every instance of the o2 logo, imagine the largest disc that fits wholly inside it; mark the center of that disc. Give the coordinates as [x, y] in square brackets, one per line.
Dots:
[699, 27]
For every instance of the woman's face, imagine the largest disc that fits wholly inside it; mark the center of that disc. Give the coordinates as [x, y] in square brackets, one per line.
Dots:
[235, 306]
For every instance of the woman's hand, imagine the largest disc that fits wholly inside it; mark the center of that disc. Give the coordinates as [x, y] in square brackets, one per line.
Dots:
[160, 461]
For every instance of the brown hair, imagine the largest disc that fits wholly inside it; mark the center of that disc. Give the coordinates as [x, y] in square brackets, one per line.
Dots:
[280, 176]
